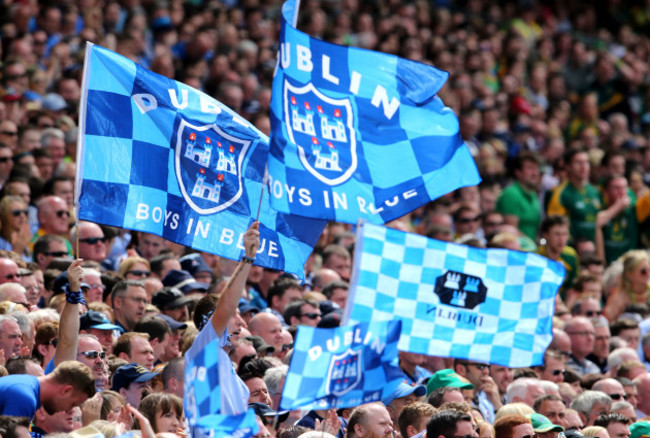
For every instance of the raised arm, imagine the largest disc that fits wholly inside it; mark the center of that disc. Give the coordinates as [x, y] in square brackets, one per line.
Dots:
[69, 325]
[227, 304]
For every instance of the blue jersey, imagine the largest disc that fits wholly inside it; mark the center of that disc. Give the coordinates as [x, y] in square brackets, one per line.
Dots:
[20, 395]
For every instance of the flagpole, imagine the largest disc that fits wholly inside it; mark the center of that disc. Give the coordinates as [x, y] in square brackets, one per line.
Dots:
[264, 181]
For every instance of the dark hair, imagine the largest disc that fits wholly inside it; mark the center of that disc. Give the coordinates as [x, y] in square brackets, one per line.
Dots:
[445, 422]
[435, 398]
[279, 287]
[537, 404]
[608, 418]
[156, 262]
[552, 221]
[154, 326]
[18, 365]
[329, 288]
[622, 324]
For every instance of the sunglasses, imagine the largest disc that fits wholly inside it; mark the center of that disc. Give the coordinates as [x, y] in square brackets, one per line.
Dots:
[558, 372]
[5, 159]
[311, 315]
[592, 313]
[466, 220]
[56, 254]
[616, 396]
[93, 240]
[61, 213]
[16, 213]
[93, 354]
[643, 271]
[11, 133]
[53, 342]
[12, 276]
[493, 224]
[287, 347]
[139, 273]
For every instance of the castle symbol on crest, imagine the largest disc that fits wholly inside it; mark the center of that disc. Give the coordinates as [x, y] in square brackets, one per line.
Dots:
[198, 154]
[302, 122]
[205, 190]
[227, 163]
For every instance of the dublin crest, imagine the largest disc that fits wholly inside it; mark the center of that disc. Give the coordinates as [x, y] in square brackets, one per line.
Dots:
[344, 373]
[322, 129]
[460, 290]
[208, 165]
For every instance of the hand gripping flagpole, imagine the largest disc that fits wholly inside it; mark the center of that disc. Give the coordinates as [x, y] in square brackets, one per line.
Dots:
[265, 180]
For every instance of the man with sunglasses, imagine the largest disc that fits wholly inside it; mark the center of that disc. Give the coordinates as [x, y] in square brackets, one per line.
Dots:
[53, 217]
[6, 163]
[302, 312]
[611, 387]
[553, 367]
[486, 393]
[91, 353]
[49, 247]
[92, 243]
[8, 271]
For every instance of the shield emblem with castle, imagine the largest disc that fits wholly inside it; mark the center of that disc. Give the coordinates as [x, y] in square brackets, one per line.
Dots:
[322, 128]
[344, 373]
[208, 165]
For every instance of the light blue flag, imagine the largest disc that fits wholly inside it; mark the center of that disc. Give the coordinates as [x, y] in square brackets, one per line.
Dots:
[342, 367]
[234, 426]
[158, 156]
[487, 305]
[201, 391]
[359, 134]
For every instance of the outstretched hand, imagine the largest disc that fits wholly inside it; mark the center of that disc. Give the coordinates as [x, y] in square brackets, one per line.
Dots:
[75, 274]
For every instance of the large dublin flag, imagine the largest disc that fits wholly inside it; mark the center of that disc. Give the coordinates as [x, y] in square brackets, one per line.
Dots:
[158, 156]
[359, 134]
[488, 305]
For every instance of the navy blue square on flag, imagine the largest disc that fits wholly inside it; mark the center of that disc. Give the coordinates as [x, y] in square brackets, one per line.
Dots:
[111, 115]
[146, 155]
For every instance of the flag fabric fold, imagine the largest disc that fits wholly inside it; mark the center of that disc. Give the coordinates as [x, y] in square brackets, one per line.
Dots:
[342, 367]
[158, 156]
[486, 305]
[359, 134]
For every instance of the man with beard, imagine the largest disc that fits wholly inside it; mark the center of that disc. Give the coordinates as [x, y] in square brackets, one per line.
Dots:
[69, 385]
[220, 321]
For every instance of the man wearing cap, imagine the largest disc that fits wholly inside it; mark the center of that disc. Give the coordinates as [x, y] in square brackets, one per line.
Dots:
[183, 281]
[402, 395]
[543, 427]
[173, 349]
[446, 378]
[132, 382]
[486, 394]
[640, 429]
[197, 267]
[617, 425]
[97, 324]
[172, 303]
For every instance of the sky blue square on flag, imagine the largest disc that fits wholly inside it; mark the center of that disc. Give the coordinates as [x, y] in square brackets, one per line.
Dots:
[121, 83]
[97, 166]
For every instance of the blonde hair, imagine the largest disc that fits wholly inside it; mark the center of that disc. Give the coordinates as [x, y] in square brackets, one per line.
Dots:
[128, 263]
[514, 408]
[631, 260]
[593, 431]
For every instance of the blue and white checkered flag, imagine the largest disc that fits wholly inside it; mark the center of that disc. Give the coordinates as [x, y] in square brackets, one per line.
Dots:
[233, 426]
[359, 134]
[487, 305]
[158, 156]
[201, 391]
[342, 367]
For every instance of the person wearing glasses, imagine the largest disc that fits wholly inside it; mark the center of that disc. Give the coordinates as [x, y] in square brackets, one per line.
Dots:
[129, 299]
[302, 312]
[583, 335]
[611, 387]
[49, 247]
[15, 233]
[633, 287]
[553, 367]
[53, 216]
[486, 393]
[8, 271]
[92, 243]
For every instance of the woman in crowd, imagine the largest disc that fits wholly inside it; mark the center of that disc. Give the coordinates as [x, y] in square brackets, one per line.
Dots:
[633, 287]
[164, 412]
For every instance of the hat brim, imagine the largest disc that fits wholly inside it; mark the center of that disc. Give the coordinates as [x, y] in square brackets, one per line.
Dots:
[550, 428]
[194, 286]
[105, 326]
[145, 377]
[178, 302]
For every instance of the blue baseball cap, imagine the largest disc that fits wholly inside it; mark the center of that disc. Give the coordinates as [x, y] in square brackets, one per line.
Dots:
[404, 390]
[130, 373]
[96, 320]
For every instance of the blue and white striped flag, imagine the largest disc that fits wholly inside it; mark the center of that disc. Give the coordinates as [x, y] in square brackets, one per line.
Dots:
[342, 367]
[158, 156]
[487, 305]
[359, 134]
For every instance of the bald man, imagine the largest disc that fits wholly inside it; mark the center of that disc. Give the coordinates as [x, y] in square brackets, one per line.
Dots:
[269, 328]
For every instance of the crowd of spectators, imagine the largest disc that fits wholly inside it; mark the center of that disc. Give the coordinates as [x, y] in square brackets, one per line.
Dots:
[553, 101]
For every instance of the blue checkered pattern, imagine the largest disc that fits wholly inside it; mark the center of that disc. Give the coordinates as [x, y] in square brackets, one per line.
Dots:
[342, 367]
[396, 275]
[134, 175]
[201, 392]
[234, 426]
[338, 152]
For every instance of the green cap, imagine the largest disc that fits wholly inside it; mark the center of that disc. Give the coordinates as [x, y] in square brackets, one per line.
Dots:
[640, 429]
[447, 377]
[541, 424]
